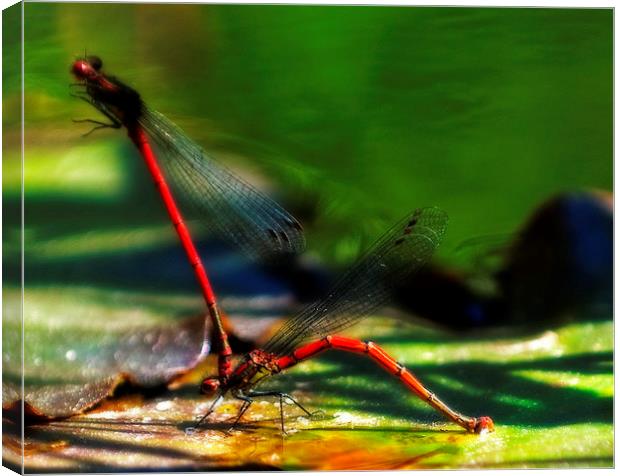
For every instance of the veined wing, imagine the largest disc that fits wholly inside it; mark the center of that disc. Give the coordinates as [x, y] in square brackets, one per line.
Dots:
[403, 250]
[239, 212]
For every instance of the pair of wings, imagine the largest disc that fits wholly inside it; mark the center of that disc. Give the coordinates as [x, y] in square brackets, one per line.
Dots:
[261, 227]
[368, 284]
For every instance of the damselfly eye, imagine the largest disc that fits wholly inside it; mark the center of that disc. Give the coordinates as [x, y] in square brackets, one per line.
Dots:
[95, 62]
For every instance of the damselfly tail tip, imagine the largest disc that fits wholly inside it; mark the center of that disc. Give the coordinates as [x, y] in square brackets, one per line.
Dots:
[484, 425]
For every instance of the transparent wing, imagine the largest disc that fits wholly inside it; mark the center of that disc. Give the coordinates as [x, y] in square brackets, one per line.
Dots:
[238, 212]
[367, 285]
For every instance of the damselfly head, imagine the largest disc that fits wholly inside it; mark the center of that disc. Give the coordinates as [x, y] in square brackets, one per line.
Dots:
[87, 68]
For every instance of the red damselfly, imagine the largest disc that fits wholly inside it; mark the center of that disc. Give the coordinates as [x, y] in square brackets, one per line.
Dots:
[239, 212]
[400, 252]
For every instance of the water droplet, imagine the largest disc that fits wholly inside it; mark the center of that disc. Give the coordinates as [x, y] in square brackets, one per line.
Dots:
[70, 355]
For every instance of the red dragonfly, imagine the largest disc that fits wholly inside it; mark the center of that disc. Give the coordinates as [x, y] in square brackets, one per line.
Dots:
[240, 213]
[396, 256]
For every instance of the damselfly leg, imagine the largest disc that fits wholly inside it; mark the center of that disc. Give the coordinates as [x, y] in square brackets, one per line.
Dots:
[114, 123]
[216, 403]
[247, 401]
[281, 396]
[100, 125]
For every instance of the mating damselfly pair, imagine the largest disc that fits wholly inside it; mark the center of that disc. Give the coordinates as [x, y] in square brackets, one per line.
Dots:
[244, 216]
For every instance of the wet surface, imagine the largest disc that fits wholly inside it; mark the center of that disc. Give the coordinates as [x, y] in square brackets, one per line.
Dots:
[550, 395]
[73, 361]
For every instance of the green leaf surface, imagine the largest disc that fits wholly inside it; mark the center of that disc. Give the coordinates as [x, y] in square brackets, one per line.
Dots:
[550, 395]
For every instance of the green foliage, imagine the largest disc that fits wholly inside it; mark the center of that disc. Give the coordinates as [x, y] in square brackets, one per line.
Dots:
[358, 115]
[550, 394]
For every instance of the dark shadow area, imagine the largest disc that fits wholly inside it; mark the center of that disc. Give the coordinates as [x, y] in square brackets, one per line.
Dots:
[165, 268]
[76, 439]
[156, 268]
[490, 389]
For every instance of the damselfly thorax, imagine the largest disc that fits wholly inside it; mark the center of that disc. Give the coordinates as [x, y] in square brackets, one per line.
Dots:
[256, 366]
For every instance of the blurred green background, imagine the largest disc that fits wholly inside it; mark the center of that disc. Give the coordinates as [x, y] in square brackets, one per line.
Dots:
[350, 116]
